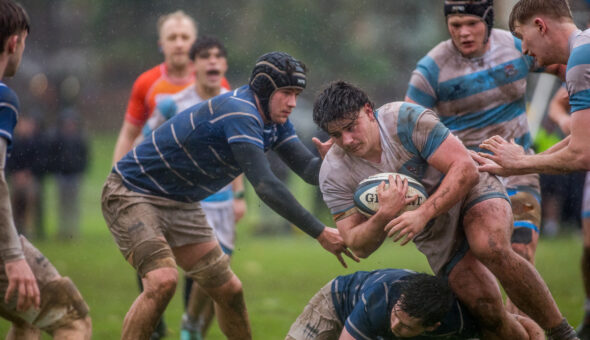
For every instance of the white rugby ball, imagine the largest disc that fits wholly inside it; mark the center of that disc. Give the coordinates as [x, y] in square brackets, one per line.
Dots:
[367, 201]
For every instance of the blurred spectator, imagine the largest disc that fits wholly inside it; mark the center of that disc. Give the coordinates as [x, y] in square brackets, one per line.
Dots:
[69, 151]
[25, 169]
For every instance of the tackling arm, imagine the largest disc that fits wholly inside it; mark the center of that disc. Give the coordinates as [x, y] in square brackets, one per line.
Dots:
[273, 192]
[298, 157]
[571, 154]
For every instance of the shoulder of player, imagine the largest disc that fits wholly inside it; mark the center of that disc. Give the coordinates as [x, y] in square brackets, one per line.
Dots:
[149, 76]
[8, 96]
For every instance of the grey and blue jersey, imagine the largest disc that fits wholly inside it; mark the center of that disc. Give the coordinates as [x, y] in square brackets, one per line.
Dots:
[364, 301]
[477, 98]
[189, 157]
[9, 111]
[578, 71]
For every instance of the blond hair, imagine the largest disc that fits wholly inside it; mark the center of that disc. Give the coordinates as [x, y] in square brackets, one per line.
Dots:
[178, 15]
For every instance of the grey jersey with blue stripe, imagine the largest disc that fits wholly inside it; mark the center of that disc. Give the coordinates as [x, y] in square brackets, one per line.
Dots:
[477, 98]
[409, 133]
[577, 76]
[189, 157]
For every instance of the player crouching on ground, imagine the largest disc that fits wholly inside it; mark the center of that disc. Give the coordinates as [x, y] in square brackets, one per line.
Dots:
[389, 304]
[33, 296]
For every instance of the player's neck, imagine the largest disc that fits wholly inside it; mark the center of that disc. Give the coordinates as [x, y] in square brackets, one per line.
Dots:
[206, 92]
[178, 72]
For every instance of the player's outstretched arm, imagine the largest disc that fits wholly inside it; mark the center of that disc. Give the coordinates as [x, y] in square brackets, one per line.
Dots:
[275, 194]
[570, 154]
[20, 277]
[304, 163]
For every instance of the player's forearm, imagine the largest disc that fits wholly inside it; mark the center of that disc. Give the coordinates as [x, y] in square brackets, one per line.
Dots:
[10, 246]
[458, 181]
[367, 237]
[279, 199]
[562, 160]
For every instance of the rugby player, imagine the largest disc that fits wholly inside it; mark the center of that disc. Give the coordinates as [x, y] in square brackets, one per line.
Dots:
[476, 83]
[33, 296]
[222, 209]
[151, 199]
[463, 227]
[389, 304]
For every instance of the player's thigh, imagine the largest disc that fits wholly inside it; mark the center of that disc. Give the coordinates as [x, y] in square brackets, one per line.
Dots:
[319, 320]
[488, 227]
[586, 211]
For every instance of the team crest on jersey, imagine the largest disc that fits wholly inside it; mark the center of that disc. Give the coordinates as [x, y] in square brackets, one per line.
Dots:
[510, 70]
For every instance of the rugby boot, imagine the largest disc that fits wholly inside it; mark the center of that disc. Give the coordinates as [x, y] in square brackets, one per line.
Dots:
[583, 331]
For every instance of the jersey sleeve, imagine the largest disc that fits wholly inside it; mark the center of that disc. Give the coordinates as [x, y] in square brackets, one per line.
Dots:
[369, 317]
[578, 77]
[419, 130]
[285, 134]
[423, 83]
[243, 127]
[9, 108]
[137, 110]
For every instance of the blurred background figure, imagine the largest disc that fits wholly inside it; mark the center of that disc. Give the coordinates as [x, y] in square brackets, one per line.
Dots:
[69, 151]
[26, 168]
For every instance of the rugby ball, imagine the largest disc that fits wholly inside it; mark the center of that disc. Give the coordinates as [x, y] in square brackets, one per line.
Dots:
[367, 201]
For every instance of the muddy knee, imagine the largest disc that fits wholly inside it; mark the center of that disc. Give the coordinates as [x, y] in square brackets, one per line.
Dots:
[212, 270]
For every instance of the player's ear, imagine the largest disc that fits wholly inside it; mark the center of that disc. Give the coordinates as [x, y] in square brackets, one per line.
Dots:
[433, 327]
[540, 25]
[368, 110]
[11, 43]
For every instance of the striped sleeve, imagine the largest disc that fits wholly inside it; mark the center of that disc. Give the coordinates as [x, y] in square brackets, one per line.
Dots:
[421, 88]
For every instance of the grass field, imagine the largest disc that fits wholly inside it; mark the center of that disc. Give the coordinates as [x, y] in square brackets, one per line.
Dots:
[279, 273]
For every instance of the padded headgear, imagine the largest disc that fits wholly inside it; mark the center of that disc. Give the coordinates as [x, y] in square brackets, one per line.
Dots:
[273, 71]
[480, 8]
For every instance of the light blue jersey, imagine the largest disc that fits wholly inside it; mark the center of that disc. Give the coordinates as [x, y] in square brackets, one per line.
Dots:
[578, 71]
[189, 157]
[480, 97]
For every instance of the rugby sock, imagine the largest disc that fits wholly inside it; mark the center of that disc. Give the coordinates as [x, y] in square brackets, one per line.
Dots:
[562, 332]
[587, 312]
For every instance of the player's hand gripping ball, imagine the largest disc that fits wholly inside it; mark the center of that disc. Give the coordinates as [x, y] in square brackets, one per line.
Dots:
[367, 201]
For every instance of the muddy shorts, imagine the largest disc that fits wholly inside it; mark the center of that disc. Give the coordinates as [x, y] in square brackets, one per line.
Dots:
[44, 272]
[138, 223]
[319, 320]
[443, 240]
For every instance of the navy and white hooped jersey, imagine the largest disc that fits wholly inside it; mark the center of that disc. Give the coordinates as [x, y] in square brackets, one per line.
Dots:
[578, 71]
[9, 110]
[409, 134]
[189, 157]
[364, 301]
[477, 98]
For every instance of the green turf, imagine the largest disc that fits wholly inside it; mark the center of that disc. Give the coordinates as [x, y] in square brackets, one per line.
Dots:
[279, 273]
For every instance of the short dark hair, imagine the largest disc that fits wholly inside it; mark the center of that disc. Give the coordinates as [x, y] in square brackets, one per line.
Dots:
[206, 43]
[13, 20]
[526, 9]
[425, 297]
[338, 100]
